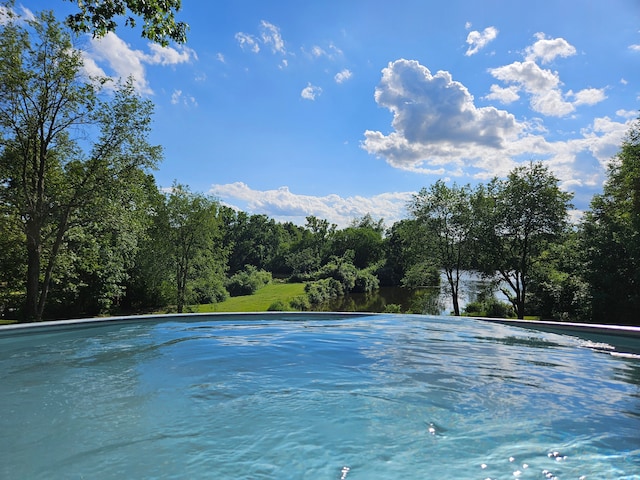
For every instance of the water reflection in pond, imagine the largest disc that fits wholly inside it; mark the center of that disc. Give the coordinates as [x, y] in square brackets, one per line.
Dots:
[426, 300]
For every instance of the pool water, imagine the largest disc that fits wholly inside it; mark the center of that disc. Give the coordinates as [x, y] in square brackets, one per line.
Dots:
[315, 397]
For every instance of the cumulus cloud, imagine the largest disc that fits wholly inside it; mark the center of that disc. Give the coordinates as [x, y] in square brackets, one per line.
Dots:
[123, 61]
[284, 205]
[547, 49]
[635, 47]
[478, 40]
[434, 118]
[437, 128]
[310, 92]
[343, 76]
[543, 85]
[503, 95]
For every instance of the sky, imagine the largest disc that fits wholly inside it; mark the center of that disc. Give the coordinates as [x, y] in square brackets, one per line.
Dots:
[339, 109]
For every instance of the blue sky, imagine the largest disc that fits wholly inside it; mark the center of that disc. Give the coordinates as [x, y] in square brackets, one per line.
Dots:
[342, 108]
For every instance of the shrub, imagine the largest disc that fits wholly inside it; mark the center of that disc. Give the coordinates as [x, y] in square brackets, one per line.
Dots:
[247, 281]
[322, 290]
[365, 282]
[278, 306]
[300, 302]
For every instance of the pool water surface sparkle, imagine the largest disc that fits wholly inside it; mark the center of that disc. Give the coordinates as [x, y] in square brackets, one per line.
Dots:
[314, 397]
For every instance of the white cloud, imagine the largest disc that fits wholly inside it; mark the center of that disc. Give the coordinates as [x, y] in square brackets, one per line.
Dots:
[343, 76]
[627, 113]
[435, 120]
[588, 96]
[25, 15]
[270, 35]
[123, 61]
[178, 97]
[220, 57]
[284, 205]
[635, 48]
[331, 51]
[503, 95]
[121, 58]
[247, 42]
[437, 129]
[547, 49]
[543, 85]
[310, 92]
[169, 55]
[478, 40]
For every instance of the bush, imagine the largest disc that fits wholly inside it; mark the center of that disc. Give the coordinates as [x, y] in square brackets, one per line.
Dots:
[491, 307]
[365, 282]
[322, 290]
[300, 302]
[247, 281]
[278, 306]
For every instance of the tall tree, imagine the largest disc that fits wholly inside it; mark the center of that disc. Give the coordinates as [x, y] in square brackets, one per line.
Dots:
[158, 17]
[193, 242]
[446, 212]
[48, 177]
[611, 238]
[518, 218]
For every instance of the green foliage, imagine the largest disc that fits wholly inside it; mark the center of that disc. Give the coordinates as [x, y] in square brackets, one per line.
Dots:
[406, 244]
[158, 17]
[247, 281]
[300, 302]
[517, 219]
[365, 282]
[421, 275]
[491, 308]
[447, 212]
[321, 291]
[278, 306]
[611, 238]
[70, 164]
[392, 308]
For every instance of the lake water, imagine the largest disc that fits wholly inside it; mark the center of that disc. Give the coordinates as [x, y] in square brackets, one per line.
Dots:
[426, 300]
[318, 396]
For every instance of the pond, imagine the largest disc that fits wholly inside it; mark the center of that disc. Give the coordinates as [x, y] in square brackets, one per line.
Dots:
[426, 300]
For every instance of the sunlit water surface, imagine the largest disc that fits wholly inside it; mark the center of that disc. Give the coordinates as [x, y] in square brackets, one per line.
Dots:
[321, 397]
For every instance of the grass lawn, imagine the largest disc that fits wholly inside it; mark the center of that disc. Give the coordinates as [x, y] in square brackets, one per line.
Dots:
[259, 301]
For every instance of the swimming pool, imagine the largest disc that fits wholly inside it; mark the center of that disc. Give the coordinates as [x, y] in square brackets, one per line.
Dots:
[314, 396]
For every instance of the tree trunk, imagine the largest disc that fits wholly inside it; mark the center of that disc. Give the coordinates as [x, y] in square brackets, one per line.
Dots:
[33, 272]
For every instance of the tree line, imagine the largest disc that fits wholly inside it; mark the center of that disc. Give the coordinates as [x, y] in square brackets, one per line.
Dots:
[85, 230]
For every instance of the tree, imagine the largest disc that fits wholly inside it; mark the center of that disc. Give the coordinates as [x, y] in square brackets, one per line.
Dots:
[364, 238]
[158, 17]
[447, 213]
[192, 233]
[50, 179]
[611, 238]
[517, 219]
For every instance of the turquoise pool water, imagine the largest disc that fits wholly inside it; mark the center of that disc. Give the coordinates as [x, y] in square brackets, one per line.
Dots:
[315, 397]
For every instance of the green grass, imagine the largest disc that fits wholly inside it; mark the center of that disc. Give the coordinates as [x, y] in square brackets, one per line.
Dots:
[259, 301]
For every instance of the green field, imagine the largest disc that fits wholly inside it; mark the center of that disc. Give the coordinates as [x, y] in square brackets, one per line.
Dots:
[258, 302]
